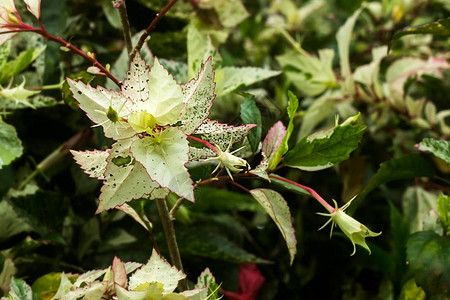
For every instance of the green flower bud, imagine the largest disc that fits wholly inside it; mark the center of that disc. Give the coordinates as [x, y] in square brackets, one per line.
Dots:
[353, 229]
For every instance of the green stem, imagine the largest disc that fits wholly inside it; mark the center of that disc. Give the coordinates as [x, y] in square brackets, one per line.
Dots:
[169, 232]
[150, 28]
[126, 28]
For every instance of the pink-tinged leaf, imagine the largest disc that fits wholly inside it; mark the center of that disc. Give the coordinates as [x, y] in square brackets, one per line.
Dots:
[126, 180]
[159, 270]
[165, 161]
[261, 169]
[92, 162]
[277, 208]
[141, 219]
[97, 102]
[198, 98]
[120, 273]
[273, 139]
[220, 135]
[34, 7]
[165, 97]
[135, 86]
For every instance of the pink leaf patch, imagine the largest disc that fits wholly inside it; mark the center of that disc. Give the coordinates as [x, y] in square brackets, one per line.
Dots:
[273, 139]
[120, 273]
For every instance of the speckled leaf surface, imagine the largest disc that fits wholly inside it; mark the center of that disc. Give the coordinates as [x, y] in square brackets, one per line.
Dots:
[135, 85]
[165, 161]
[92, 162]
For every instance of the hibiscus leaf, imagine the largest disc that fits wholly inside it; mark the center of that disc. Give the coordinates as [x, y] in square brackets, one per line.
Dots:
[124, 182]
[92, 162]
[159, 270]
[278, 210]
[165, 161]
[198, 98]
[99, 104]
[135, 86]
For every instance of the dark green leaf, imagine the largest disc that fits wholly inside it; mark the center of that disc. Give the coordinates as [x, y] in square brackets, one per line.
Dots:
[211, 199]
[10, 223]
[406, 167]
[205, 243]
[400, 234]
[439, 27]
[10, 145]
[325, 149]
[429, 259]
[250, 114]
[443, 209]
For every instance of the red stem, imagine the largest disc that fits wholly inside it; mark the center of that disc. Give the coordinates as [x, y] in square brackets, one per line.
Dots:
[312, 192]
[42, 31]
[150, 28]
[207, 144]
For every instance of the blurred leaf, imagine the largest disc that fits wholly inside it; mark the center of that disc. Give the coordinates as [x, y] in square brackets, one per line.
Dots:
[205, 243]
[112, 14]
[343, 38]
[410, 291]
[406, 167]
[439, 27]
[311, 75]
[8, 270]
[209, 199]
[400, 234]
[284, 147]
[10, 223]
[429, 259]
[250, 114]
[44, 211]
[324, 149]
[5, 49]
[277, 208]
[10, 145]
[443, 209]
[37, 101]
[229, 79]
[15, 66]
[440, 148]
[45, 287]
[20, 290]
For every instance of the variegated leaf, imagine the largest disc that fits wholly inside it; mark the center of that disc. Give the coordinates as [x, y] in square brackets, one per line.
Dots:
[135, 86]
[165, 161]
[92, 162]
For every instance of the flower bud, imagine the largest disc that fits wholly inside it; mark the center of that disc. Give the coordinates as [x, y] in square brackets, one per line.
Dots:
[233, 163]
[353, 229]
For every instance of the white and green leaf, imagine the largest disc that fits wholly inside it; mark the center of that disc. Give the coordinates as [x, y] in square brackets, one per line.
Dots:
[165, 161]
[277, 208]
[92, 162]
[136, 84]
[10, 144]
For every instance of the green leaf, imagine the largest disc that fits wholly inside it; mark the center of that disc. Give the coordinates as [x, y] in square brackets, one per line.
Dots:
[443, 209]
[277, 208]
[311, 75]
[83, 76]
[343, 38]
[206, 243]
[291, 110]
[5, 49]
[10, 145]
[229, 79]
[400, 234]
[250, 114]
[439, 27]
[440, 148]
[410, 291]
[206, 280]
[208, 199]
[92, 162]
[45, 287]
[20, 290]
[408, 166]
[165, 161]
[325, 148]
[417, 203]
[17, 65]
[10, 223]
[198, 98]
[123, 183]
[157, 269]
[428, 255]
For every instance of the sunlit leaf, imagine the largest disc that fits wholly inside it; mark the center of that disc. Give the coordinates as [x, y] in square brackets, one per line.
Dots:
[439, 27]
[92, 162]
[10, 145]
[440, 148]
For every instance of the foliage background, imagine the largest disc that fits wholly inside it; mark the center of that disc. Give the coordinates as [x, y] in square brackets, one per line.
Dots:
[50, 225]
